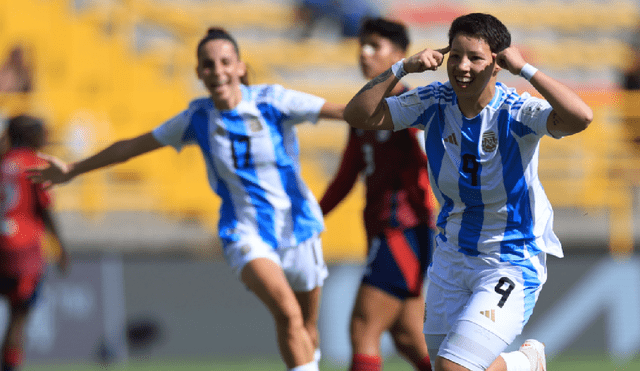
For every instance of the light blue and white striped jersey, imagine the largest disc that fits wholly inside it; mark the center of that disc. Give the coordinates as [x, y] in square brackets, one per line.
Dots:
[251, 154]
[484, 170]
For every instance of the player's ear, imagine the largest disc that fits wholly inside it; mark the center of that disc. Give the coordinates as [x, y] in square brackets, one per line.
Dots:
[242, 68]
[496, 65]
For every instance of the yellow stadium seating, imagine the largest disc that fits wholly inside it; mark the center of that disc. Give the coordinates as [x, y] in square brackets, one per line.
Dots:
[95, 84]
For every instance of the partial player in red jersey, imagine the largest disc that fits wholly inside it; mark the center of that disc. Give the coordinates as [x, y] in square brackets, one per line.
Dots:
[397, 218]
[26, 216]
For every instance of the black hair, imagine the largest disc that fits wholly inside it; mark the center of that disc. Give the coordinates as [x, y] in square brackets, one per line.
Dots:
[215, 33]
[394, 31]
[484, 26]
[26, 131]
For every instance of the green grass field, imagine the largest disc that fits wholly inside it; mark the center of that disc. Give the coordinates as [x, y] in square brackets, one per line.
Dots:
[565, 363]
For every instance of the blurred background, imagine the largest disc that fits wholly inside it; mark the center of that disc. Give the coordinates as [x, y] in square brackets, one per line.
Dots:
[148, 287]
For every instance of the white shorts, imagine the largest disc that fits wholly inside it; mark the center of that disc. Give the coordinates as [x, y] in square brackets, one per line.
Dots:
[303, 265]
[496, 296]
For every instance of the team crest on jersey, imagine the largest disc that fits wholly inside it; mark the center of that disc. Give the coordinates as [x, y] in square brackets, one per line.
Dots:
[254, 125]
[219, 130]
[489, 141]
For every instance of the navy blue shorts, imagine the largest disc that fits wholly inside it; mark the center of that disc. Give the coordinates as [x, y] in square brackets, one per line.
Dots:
[398, 261]
[22, 291]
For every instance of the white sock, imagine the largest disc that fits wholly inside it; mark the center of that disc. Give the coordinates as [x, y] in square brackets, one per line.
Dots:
[311, 366]
[317, 355]
[516, 361]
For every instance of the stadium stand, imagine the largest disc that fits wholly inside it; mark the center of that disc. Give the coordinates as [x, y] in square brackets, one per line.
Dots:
[113, 69]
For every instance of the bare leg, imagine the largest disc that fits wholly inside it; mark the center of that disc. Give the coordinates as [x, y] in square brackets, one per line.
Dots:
[374, 312]
[14, 337]
[310, 305]
[407, 331]
[267, 280]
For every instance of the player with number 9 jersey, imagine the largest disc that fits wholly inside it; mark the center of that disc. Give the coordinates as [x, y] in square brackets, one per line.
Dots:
[484, 170]
[495, 224]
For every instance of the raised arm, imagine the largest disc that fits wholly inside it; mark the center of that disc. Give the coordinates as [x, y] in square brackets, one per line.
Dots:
[368, 109]
[344, 180]
[60, 172]
[570, 113]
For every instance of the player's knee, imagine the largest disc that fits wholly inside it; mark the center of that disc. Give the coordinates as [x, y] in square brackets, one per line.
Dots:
[289, 317]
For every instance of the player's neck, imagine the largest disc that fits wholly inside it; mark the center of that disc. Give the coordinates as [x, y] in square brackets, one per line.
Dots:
[228, 101]
[471, 106]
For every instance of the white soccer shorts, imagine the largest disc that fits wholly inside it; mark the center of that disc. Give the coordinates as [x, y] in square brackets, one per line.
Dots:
[476, 306]
[303, 265]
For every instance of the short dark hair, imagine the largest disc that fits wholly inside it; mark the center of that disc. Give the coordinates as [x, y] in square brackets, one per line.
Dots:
[484, 26]
[26, 131]
[215, 33]
[394, 31]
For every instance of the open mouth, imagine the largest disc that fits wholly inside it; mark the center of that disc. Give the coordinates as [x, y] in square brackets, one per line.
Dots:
[217, 85]
[463, 81]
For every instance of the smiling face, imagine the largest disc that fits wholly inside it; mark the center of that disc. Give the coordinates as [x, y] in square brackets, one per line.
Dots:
[377, 54]
[220, 70]
[472, 71]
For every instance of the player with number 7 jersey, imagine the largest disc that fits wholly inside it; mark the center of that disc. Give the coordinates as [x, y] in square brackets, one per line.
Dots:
[251, 154]
[270, 222]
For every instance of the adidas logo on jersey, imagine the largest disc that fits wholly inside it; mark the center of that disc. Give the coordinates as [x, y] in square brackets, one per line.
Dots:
[491, 314]
[451, 139]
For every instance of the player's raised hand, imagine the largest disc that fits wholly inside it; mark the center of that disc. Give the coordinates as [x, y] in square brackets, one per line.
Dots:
[511, 59]
[56, 172]
[427, 59]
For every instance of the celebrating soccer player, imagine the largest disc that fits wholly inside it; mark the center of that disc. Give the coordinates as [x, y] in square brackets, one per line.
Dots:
[495, 223]
[269, 220]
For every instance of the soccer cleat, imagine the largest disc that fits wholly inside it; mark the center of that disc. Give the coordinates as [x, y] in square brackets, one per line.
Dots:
[534, 350]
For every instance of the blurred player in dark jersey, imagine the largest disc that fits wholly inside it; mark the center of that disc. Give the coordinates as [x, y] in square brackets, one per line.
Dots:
[26, 217]
[397, 218]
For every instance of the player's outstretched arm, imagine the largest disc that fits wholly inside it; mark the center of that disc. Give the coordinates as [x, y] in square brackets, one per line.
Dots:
[368, 109]
[570, 113]
[334, 111]
[58, 171]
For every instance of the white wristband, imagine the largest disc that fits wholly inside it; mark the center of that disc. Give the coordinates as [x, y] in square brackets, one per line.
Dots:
[398, 69]
[528, 71]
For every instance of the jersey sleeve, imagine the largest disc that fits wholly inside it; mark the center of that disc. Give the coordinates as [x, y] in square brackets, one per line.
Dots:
[297, 107]
[345, 178]
[42, 196]
[534, 114]
[406, 110]
[172, 131]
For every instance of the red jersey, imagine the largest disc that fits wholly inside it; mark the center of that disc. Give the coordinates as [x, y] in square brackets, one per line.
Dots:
[22, 229]
[394, 168]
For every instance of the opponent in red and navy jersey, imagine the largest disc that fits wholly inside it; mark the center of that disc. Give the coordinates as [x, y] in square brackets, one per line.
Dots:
[22, 225]
[394, 168]
[25, 215]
